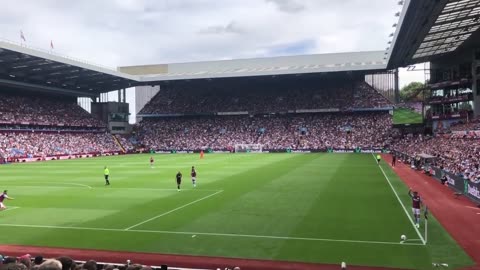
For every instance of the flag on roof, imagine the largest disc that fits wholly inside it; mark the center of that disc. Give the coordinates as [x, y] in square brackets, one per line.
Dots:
[22, 36]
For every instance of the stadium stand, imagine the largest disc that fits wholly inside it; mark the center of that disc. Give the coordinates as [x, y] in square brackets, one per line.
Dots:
[43, 144]
[36, 126]
[456, 154]
[342, 95]
[309, 128]
[307, 131]
[473, 124]
[45, 111]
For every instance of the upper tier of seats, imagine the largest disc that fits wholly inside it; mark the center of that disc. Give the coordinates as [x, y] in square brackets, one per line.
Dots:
[44, 110]
[343, 96]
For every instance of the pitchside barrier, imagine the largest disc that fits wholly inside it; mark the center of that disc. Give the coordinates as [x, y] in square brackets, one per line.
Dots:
[459, 184]
[266, 150]
[56, 157]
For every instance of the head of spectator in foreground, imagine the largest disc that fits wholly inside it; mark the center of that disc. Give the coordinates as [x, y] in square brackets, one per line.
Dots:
[90, 265]
[51, 264]
[67, 263]
[38, 260]
[134, 267]
[108, 267]
[8, 260]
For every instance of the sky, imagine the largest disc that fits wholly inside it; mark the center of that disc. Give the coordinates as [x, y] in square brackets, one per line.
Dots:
[136, 32]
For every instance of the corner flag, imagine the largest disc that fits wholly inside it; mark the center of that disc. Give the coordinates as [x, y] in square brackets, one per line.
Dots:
[426, 212]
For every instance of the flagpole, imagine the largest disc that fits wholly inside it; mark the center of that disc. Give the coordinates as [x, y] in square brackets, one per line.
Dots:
[22, 38]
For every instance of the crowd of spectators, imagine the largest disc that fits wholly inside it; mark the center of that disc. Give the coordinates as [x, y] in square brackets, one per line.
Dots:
[40, 144]
[300, 131]
[127, 142]
[454, 154]
[210, 100]
[365, 96]
[473, 124]
[40, 126]
[39, 110]
[27, 262]
[58, 126]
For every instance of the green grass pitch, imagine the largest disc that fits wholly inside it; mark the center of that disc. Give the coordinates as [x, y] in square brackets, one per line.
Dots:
[406, 116]
[321, 208]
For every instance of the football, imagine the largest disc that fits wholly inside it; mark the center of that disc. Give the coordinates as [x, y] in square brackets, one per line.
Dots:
[403, 237]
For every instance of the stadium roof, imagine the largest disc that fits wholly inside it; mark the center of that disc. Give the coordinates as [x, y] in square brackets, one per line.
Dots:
[27, 68]
[24, 67]
[301, 64]
[428, 29]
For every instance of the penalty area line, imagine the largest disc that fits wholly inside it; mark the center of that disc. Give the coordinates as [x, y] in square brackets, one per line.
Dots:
[11, 208]
[400, 201]
[214, 234]
[73, 184]
[119, 188]
[173, 210]
[67, 185]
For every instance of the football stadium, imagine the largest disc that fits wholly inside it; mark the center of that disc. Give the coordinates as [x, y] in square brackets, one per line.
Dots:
[310, 161]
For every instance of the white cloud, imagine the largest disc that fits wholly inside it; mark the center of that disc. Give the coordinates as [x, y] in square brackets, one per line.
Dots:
[230, 28]
[130, 32]
[289, 6]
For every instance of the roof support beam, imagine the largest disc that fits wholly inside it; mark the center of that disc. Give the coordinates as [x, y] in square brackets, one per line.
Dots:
[470, 25]
[444, 38]
[40, 88]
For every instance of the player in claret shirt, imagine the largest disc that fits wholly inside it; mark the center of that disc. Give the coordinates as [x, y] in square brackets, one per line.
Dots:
[194, 177]
[416, 206]
[4, 196]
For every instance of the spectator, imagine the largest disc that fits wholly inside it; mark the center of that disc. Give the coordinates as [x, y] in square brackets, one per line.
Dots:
[43, 110]
[51, 264]
[300, 131]
[90, 265]
[14, 266]
[67, 263]
[38, 260]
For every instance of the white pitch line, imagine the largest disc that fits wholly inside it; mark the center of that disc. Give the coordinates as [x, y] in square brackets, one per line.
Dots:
[11, 208]
[212, 234]
[412, 240]
[113, 188]
[173, 210]
[66, 184]
[400, 201]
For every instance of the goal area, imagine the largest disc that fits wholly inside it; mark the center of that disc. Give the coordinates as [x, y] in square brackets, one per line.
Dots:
[248, 148]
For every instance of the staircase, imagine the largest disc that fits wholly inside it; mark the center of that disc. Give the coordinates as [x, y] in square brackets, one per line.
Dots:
[118, 143]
